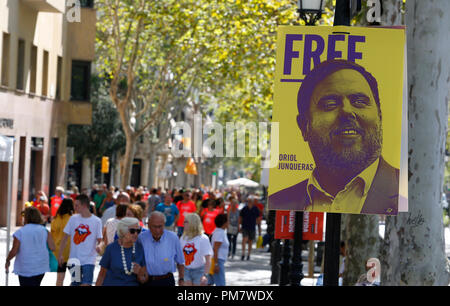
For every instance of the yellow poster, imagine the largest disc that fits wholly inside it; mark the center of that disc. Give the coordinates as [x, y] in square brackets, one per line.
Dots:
[338, 101]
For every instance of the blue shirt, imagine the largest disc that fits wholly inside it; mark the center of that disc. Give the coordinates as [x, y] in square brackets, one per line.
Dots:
[161, 256]
[112, 261]
[32, 258]
[169, 211]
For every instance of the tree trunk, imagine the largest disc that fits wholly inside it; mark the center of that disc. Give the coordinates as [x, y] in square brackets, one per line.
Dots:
[362, 243]
[127, 163]
[414, 248]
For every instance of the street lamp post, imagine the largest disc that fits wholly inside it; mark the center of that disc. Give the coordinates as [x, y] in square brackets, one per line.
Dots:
[297, 264]
[284, 265]
[333, 226]
[310, 11]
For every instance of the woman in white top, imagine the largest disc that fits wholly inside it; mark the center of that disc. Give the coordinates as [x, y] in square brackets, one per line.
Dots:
[220, 245]
[197, 251]
[30, 249]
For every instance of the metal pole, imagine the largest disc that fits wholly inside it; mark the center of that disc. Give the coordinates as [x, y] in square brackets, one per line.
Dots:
[333, 227]
[284, 272]
[8, 215]
[297, 264]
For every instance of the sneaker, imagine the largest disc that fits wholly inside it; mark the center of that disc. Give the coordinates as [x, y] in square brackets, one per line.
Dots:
[248, 257]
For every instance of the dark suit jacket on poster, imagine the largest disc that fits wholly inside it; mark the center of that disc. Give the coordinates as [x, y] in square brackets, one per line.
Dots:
[382, 197]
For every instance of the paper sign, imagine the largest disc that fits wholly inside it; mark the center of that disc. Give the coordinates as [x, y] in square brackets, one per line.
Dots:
[312, 226]
[338, 100]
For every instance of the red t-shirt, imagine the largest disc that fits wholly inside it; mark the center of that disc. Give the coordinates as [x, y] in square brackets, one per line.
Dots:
[54, 204]
[261, 208]
[184, 209]
[208, 220]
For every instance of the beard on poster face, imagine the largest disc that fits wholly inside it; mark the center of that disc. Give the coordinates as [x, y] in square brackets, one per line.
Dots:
[348, 146]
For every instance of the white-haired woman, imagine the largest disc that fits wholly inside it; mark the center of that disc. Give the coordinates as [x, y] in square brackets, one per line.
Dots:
[123, 261]
[197, 251]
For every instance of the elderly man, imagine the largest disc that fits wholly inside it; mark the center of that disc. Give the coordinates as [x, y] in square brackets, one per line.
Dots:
[340, 118]
[163, 253]
[122, 198]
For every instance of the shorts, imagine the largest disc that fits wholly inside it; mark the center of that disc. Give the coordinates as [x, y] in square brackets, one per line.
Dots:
[62, 268]
[249, 234]
[85, 277]
[194, 275]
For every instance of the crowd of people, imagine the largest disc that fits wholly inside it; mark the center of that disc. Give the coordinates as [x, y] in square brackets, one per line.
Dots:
[143, 236]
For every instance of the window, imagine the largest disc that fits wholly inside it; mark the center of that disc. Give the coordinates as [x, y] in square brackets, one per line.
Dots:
[58, 78]
[87, 3]
[20, 64]
[33, 65]
[45, 74]
[80, 84]
[5, 59]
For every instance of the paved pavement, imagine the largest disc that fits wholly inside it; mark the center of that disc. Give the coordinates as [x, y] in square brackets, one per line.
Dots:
[256, 272]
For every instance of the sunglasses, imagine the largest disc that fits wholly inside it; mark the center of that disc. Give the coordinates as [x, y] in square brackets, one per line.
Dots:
[134, 230]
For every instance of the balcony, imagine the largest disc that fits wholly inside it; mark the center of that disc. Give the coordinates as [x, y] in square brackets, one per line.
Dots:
[50, 6]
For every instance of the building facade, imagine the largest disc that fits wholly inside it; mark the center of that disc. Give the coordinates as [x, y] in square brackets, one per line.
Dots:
[46, 50]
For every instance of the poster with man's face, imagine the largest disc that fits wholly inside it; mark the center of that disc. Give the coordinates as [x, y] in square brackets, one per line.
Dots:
[338, 100]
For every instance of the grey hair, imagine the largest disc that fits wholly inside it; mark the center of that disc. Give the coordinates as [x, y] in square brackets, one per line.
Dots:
[157, 213]
[124, 224]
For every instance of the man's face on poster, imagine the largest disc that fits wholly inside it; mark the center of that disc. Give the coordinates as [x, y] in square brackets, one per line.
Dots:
[344, 126]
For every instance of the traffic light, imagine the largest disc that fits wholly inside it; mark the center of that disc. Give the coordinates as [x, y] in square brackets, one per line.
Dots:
[105, 164]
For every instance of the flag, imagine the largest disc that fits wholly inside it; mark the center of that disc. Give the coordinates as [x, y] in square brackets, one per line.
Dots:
[190, 168]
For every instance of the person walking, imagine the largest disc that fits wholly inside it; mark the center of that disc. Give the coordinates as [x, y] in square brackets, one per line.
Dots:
[220, 244]
[123, 260]
[248, 218]
[85, 232]
[162, 253]
[30, 249]
[170, 210]
[58, 224]
[197, 251]
[109, 230]
[56, 200]
[233, 226]
[152, 201]
[185, 207]
[208, 215]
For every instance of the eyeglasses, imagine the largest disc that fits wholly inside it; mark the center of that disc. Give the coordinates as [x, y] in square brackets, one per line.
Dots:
[134, 230]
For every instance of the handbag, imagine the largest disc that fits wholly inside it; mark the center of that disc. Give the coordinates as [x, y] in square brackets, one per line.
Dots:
[52, 260]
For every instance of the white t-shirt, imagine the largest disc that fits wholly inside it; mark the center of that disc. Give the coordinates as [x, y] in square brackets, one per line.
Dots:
[84, 233]
[220, 235]
[195, 250]
[111, 228]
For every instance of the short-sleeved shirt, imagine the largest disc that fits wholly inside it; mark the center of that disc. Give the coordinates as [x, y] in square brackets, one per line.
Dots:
[195, 250]
[249, 217]
[184, 209]
[153, 200]
[98, 199]
[112, 262]
[84, 233]
[220, 235]
[208, 220]
[32, 258]
[170, 211]
[161, 257]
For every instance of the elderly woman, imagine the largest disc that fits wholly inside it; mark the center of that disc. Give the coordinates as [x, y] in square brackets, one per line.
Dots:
[123, 261]
[30, 249]
[197, 251]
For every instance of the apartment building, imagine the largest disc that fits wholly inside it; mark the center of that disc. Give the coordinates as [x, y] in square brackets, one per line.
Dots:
[45, 70]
